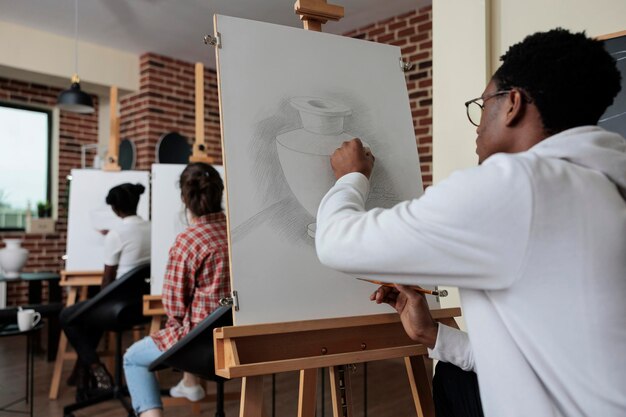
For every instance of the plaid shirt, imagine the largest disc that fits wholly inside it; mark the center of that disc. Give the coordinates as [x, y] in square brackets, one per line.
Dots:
[196, 277]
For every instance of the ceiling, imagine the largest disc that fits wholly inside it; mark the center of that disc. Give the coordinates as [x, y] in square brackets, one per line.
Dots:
[176, 28]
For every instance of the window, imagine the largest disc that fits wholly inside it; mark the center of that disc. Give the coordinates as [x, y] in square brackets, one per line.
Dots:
[25, 166]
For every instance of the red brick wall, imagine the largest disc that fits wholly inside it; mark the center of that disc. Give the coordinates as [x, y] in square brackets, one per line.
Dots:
[166, 103]
[45, 250]
[413, 33]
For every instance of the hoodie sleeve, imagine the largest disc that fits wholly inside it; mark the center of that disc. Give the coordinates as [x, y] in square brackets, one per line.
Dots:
[453, 346]
[470, 230]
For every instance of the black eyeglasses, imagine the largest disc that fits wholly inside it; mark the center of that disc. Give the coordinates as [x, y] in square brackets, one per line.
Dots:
[475, 109]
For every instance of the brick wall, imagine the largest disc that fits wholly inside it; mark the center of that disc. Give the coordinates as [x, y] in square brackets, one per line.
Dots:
[45, 250]
[166, 103]
[413, 33]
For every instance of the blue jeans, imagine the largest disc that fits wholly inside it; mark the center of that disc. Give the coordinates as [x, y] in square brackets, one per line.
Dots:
[142, 384]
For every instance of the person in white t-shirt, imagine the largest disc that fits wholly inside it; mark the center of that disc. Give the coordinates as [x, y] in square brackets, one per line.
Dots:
[125, 247]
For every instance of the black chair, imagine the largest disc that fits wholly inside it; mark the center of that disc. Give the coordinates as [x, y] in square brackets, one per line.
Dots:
[118, 307]
[194, 353]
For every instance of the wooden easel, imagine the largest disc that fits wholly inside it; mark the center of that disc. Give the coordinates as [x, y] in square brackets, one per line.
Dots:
[199, 153]
[112, 158]
[253, 351]
[76, 281]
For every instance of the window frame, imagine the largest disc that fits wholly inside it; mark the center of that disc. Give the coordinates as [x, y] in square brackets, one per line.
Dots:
[49, 185]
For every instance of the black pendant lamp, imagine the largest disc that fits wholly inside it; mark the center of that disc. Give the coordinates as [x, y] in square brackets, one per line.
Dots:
[74, 99]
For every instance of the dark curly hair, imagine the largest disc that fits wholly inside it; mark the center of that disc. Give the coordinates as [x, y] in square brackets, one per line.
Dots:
[201, 189]
[124, 198]
[571, 78]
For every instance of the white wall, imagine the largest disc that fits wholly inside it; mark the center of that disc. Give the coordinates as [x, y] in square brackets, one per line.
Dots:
[460, 70]
[468, 38]
[47, 58]
[511, 21]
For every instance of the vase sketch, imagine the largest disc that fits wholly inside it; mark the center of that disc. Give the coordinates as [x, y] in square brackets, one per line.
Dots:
[12, 258]
[304, 153]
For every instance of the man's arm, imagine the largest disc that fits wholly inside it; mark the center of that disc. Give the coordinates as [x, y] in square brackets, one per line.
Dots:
[444, 343]
[413, 310]
[470, 230]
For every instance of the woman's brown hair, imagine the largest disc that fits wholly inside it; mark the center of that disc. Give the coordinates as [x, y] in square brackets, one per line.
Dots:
[201, 189]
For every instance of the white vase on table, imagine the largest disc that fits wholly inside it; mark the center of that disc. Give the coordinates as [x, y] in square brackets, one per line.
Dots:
[12, 258]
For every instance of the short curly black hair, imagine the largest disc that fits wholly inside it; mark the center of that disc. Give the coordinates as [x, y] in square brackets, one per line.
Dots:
[570, 77]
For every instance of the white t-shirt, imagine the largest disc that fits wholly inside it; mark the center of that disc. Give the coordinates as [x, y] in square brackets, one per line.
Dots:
[128, 245]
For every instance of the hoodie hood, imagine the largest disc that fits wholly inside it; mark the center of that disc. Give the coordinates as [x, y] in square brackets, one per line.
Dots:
[590, 147]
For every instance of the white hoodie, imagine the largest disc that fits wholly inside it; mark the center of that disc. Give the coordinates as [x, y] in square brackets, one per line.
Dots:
[537, 243]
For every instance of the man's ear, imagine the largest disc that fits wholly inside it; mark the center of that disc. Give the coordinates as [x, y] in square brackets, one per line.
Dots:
[516, 107]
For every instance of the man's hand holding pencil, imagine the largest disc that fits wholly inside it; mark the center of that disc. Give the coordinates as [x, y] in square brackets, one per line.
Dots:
[411, 305]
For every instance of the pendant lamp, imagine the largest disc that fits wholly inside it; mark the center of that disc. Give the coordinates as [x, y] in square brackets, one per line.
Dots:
[73, 99]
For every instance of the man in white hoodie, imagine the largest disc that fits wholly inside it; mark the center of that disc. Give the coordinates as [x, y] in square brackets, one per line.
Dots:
[534, 237]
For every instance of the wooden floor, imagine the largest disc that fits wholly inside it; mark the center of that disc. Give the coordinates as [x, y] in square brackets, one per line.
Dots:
[388, 392]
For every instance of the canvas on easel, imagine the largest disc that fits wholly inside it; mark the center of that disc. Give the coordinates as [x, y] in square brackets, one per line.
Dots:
[89, 215]
[168, 218]
[289, 98]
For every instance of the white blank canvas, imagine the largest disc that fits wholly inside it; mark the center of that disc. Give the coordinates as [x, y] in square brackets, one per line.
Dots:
[271, 79]
[168, 217]
[88, 213]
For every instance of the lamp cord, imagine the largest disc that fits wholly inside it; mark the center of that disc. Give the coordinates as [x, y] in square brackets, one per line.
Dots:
[76, 36]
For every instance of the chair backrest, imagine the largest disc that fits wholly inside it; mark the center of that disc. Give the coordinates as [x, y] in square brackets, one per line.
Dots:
[194, 352]
[119, 306]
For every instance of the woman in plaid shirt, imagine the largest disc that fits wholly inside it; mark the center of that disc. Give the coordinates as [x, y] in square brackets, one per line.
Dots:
[196, 277]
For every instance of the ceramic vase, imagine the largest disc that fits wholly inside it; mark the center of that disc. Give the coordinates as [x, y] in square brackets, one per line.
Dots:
[12, 258]
[304, 153]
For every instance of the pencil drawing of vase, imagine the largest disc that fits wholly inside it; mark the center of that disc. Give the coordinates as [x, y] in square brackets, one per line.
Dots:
[304, 153]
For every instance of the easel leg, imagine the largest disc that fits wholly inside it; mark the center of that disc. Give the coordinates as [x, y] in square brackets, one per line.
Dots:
[341, 391]
[308, 393]
[58, 364]
[251, 397]
[155, 324]
[419, 379]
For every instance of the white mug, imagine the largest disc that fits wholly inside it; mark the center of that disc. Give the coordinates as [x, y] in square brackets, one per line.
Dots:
[27, 319]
